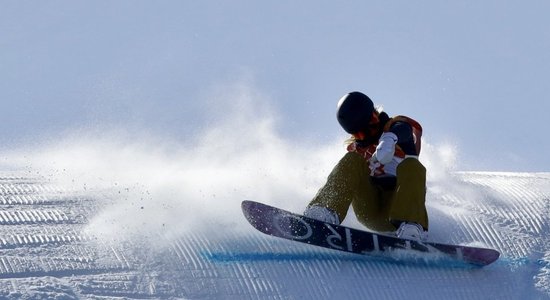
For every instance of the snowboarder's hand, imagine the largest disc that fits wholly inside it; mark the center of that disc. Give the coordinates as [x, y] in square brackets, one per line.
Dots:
[374, 166]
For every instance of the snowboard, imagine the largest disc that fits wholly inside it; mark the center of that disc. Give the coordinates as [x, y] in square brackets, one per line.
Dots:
[280, 223]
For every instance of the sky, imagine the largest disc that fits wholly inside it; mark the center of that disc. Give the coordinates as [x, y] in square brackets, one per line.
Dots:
[474, 73]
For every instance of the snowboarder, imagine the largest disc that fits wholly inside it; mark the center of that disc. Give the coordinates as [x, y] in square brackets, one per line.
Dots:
[380, 176]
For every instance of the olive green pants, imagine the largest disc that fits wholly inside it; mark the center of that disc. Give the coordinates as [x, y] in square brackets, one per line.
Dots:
[376, 207]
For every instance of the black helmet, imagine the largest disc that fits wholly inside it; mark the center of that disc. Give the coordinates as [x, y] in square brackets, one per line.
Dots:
[354, 112]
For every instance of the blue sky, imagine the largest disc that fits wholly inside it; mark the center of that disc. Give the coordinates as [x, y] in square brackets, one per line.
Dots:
[474, 73]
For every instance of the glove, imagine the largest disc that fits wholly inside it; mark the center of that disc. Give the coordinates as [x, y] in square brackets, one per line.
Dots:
[375, 166]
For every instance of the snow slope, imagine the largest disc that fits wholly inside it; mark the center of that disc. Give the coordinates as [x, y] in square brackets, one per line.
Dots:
[64, 242]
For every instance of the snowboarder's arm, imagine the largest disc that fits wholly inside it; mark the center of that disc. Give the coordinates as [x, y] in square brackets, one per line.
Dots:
[386, 148]
[399, 134]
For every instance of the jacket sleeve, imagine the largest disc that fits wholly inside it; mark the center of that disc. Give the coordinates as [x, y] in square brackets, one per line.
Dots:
[405, 138]
[400, 134]
[386, 147]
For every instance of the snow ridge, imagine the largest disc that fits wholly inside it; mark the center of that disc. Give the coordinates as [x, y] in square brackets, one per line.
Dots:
[48, 251]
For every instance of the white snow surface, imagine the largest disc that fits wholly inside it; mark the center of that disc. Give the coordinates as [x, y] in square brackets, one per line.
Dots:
[61, 243]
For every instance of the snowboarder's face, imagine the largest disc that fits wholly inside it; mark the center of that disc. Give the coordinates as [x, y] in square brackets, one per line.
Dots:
[371, 131]
[374, 124]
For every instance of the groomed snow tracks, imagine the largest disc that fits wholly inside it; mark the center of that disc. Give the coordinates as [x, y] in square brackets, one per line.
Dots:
[41, 233]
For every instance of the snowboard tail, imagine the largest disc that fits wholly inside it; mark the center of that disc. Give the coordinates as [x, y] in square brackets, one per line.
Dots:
[280, 223]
